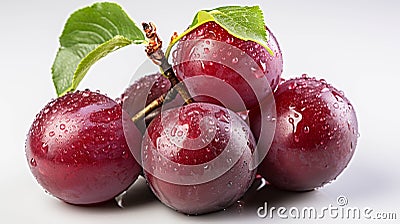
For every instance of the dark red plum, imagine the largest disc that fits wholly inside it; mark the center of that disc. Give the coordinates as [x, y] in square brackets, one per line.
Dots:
[246, 66]
[315, 138]
[77, 151]
[197, 158]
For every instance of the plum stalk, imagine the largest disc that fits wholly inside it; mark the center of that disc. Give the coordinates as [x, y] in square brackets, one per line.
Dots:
[156, 55]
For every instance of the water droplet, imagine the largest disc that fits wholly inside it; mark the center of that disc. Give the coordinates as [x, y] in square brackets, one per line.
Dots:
[235, 60]
[62, 126]
[85, 94]
[256, 72]
[229, 160]
[206, 50]
[33, 162]
[336, 105]
[306, 129]
[292, 85]
[206, 167]
[175, 53]
[120, 199]
[230, 184]
[324, 90]
[240, 205]
[45, 147]
[125, 155]
[51, 133]
[350, 107]
[173, 132]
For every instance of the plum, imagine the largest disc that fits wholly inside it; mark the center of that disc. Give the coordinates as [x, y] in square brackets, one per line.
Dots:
[315, 137]
[197, 158]
[77, 151]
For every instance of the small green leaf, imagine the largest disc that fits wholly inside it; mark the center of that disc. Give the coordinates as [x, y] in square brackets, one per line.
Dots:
[90, 34]
[243, 22]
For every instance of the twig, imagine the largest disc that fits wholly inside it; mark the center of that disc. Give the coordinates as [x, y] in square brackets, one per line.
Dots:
[157, 56]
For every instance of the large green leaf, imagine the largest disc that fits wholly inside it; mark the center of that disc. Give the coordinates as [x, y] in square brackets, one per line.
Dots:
[90, 34]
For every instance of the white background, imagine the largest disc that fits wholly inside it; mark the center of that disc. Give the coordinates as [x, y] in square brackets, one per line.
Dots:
[354, 45]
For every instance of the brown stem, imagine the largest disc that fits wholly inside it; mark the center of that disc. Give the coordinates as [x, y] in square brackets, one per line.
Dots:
[165, 98]
[157, 56]
[150, 107]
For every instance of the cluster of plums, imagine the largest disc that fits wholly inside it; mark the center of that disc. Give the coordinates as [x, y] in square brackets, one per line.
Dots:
[201, 157]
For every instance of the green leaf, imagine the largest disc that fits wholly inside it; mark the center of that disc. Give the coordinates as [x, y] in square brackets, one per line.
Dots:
[243, 22]
[89, 34]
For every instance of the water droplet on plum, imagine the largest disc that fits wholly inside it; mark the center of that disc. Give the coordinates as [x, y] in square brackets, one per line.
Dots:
[33, 162]
[235, 60]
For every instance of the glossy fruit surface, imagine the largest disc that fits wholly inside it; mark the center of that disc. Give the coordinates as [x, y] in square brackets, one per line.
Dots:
[76, 149]
[210, 50]
[315, 138]
[197, 158]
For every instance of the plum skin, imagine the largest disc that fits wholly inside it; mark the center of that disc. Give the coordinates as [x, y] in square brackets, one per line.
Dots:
[77, 151]
[315, 138]
[196, 198]
[196, 45]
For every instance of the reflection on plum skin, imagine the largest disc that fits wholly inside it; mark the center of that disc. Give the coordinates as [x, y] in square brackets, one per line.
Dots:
[137, 195]
[140, 194]
[106, 205]
[259, 193]
[256, 196]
